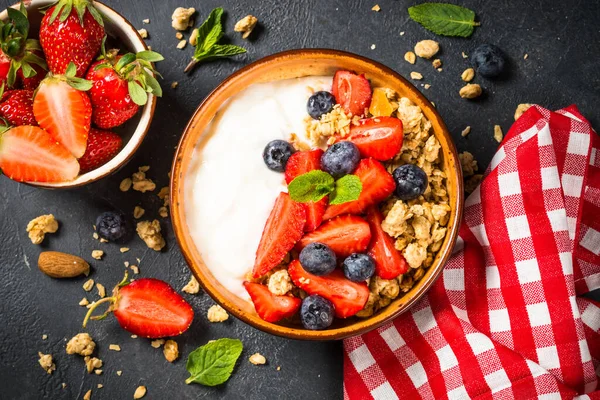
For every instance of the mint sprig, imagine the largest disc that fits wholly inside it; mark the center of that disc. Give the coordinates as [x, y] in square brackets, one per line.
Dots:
[444, 19]
[208, 35]
[212, 364]
[314, 185]
[347, 188]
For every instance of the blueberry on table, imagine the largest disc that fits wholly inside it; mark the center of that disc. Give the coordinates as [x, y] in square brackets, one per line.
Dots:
[276, 154]
[320, 103]
[340, 159]
[488, 60]
[316, 312]
[359, 267]
[113, 226]
[411, 181]
[318, 259]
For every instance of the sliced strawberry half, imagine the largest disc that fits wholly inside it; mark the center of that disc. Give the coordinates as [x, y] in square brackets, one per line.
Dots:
[352, 92]
[64, 112]
[389, 263]
[28, 153]
[102, 146]
[283, 229]
[270, 307]
[379, 137]
[300, 163]
[377, 185]
[345, 235]
[347, 297]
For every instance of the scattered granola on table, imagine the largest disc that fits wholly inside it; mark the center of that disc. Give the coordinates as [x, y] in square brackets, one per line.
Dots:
[38, 227]
[125, 184]
[87, 395]
[410, 57]
[246, 25]
[97, 254]
[140, 392]
[171, 350]
[257, 359]
[468, 75]
[192, 287]
[140, 182]
[149, 232]
[114, 347]
[88, 285]
[92, 363]
[81, 344]
[498, 134]
[427, 48]
[416, 75]
[143, 33]
[465, 131]
[470, 91]
[216, 313]
[521, 108]
[157, 343]
[46, 362]
[182, 18]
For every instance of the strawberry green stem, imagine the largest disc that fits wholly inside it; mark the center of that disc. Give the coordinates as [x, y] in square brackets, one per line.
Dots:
[88, 315]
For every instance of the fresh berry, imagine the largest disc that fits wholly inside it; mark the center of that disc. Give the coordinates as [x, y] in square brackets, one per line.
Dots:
[64, 111]
[283, 229]
[318, 259]
[16, 107]
[377, 185]
[121, 85]
[320, 103]
[488, 60]
[4, 67]
[276, 154]
[389, 263]
[102, 146]
[147, 307]
[316, 312]
[347, 297]
[113, 226]
[270, 307]
[300, 163]
[28, 153]
[344, 235]
[340, 159]
[358, 267]
[71, 32]
[379, 137]
[352, 92]
[411, 181]
[33, 80]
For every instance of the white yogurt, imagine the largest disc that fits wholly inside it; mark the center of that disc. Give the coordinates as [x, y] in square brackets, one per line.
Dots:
[229, 190]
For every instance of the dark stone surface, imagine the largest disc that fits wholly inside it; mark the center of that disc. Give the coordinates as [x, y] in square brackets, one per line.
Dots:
[560, 37]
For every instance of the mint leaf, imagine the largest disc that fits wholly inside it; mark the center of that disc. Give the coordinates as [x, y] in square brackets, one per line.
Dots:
[444, 19]
[225, 50]
[347, 188]
[212, 364]
[311, 186]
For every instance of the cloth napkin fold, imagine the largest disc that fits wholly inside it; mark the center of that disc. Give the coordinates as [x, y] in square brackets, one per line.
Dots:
[506, 319]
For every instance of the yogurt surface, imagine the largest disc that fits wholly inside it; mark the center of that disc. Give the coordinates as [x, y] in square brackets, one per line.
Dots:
[229, 189]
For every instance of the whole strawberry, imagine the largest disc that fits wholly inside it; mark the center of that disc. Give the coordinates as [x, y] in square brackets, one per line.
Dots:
[120, 84]
[16, 107]
[71, 31]
[102, 146]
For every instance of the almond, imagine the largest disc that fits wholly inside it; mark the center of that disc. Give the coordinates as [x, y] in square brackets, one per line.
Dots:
[61, 265]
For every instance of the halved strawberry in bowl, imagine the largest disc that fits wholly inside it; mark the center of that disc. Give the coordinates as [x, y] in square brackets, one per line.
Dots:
[379, 137]
[347, 297]
[270, 307]
[345, 235]
[102, 146]
[389, 263]
[352, 92]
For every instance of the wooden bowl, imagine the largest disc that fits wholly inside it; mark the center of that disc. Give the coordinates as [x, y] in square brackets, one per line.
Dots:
[292, 64]
[133, 131]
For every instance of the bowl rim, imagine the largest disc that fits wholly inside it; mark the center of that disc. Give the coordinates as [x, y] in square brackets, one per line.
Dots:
[178, 219]
[141, 129]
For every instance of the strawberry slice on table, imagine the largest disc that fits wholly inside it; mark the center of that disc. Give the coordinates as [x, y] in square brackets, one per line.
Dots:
[16, 107]
[377, 185]
[345, 235]
[347, 297]
[270, 307]
[389, 263]
[300, 163]
[352, 92]
[283, 229]
[28, 153]
[102, 146]
[379, 137]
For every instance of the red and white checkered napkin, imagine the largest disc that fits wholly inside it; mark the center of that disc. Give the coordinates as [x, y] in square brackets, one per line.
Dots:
[506, 320]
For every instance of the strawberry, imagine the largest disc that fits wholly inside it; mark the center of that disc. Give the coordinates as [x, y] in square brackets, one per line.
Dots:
[283, 229]
[347, 297]
[16, 107]
[379, 137]
[71, 32]
[102, 146]
[344, 235]
[121, 85]
[147, 307]
[300, 163]
[352, 92]
[377, 185]
[270, 307]
[389, 263]
[31, 82]
[64, 110]
[28, 153]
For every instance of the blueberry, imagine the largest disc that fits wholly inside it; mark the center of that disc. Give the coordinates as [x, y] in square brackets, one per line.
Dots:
[488, 60]
[318, 259]
[316, 312]
[276, 154]
[340, 159]
[411, 181]
[320, 103]
[113, 227]
[359, 267]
